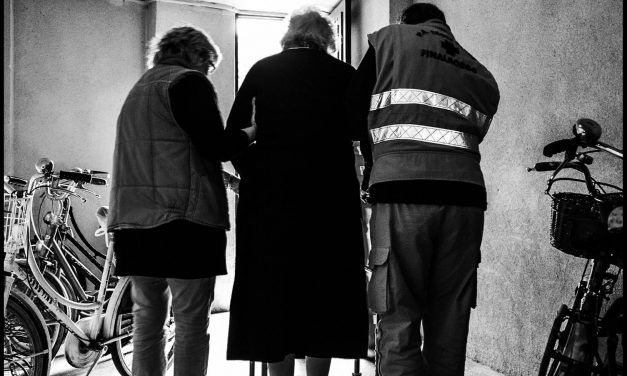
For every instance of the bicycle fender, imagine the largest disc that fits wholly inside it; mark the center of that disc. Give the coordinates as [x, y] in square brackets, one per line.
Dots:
[24, 300]
[108, 326]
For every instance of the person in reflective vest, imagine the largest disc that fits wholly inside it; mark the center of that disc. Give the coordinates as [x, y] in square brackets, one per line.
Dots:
[427, 104]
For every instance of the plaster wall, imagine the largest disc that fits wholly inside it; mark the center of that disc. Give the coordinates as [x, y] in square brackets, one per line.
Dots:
[8, 86]
[367, 16]
[555, 62]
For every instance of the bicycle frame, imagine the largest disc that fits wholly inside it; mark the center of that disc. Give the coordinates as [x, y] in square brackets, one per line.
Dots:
[53, 241]
[50, 297]
[62, 254]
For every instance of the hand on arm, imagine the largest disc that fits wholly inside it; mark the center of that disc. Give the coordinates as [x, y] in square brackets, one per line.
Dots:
[358, 102]
[251, 131]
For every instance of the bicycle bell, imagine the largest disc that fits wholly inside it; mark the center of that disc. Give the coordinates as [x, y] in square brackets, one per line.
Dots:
[587, 131]
[44, 166]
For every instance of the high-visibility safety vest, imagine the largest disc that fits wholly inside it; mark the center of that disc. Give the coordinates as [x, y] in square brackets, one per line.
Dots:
[158, 176]
[431, 106]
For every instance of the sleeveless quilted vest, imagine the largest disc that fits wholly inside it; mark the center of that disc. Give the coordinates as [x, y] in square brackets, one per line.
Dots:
[158, 176]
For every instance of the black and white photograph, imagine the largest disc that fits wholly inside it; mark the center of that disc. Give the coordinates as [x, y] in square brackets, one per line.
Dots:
[313, 188]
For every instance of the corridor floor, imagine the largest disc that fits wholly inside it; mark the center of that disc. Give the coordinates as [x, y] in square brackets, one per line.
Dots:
[219, 366]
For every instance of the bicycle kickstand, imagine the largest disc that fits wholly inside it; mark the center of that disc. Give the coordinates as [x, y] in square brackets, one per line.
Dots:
[100, 354]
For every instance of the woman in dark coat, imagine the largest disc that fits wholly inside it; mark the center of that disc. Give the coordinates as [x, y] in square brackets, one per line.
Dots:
[300, 286]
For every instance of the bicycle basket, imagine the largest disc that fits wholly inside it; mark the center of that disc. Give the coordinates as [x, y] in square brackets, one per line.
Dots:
[579, 223]
[15, 222]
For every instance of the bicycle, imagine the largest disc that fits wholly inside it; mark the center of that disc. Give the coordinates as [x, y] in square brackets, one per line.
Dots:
[109, 326]
[58, 262]
[587, 226]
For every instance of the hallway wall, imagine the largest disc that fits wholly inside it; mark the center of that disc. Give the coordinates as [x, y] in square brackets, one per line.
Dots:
[555, 62]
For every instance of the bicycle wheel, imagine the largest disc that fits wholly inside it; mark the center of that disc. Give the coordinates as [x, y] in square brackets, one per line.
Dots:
[57, 332]
[26, 340]
[120, 310]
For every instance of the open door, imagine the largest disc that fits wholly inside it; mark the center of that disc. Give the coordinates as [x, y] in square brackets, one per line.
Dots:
[341, 20]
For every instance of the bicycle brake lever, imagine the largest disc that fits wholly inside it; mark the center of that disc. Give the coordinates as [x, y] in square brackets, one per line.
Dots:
[72, 193]
[90, 191]
[83, 200]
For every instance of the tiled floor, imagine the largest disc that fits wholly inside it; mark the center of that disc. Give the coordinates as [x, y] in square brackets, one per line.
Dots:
[218, 365]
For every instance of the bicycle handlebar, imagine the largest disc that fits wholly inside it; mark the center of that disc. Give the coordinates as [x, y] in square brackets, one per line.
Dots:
[77, 177]
[587, 133]
[610, 149]
[544, 166]
[559, 146]
[81, 177]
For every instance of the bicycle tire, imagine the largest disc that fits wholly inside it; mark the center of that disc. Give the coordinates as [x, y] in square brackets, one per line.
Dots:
[120, 320]
[25, 332]
[56, 331]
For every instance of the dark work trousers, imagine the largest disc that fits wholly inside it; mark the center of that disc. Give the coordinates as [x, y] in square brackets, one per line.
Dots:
[424, 262]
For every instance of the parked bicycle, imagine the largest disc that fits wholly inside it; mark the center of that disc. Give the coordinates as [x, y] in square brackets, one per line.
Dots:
[107, 325]
[58, 260]
[589, 226]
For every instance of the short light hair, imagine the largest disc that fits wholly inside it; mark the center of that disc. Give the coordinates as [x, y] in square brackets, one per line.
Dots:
[193, 45]
[308, 27]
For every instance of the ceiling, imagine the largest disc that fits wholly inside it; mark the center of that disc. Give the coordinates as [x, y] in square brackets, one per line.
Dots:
[280, 6]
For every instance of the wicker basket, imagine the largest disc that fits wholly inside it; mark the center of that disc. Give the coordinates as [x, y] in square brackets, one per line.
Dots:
[579, 223]
[16, 222]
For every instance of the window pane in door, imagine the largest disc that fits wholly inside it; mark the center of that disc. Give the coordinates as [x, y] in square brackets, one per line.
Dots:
[257, 37]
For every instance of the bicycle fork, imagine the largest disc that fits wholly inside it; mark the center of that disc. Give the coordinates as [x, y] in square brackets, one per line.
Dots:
[581, 348]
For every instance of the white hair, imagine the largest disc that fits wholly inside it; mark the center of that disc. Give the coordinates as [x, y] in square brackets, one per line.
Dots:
[308, 27]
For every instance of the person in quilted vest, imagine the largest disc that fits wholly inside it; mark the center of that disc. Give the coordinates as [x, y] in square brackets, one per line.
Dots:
[168, 206]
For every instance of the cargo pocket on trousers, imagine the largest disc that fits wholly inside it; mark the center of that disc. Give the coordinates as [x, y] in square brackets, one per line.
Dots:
[378, 285]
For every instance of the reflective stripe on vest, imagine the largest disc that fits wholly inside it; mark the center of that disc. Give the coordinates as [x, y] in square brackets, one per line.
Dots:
[428, 98]
[425, 134]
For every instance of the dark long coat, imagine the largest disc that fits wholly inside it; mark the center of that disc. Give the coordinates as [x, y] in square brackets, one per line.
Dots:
[299, 275]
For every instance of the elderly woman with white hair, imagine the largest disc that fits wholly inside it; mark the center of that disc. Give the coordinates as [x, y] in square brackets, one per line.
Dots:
[300, 288]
